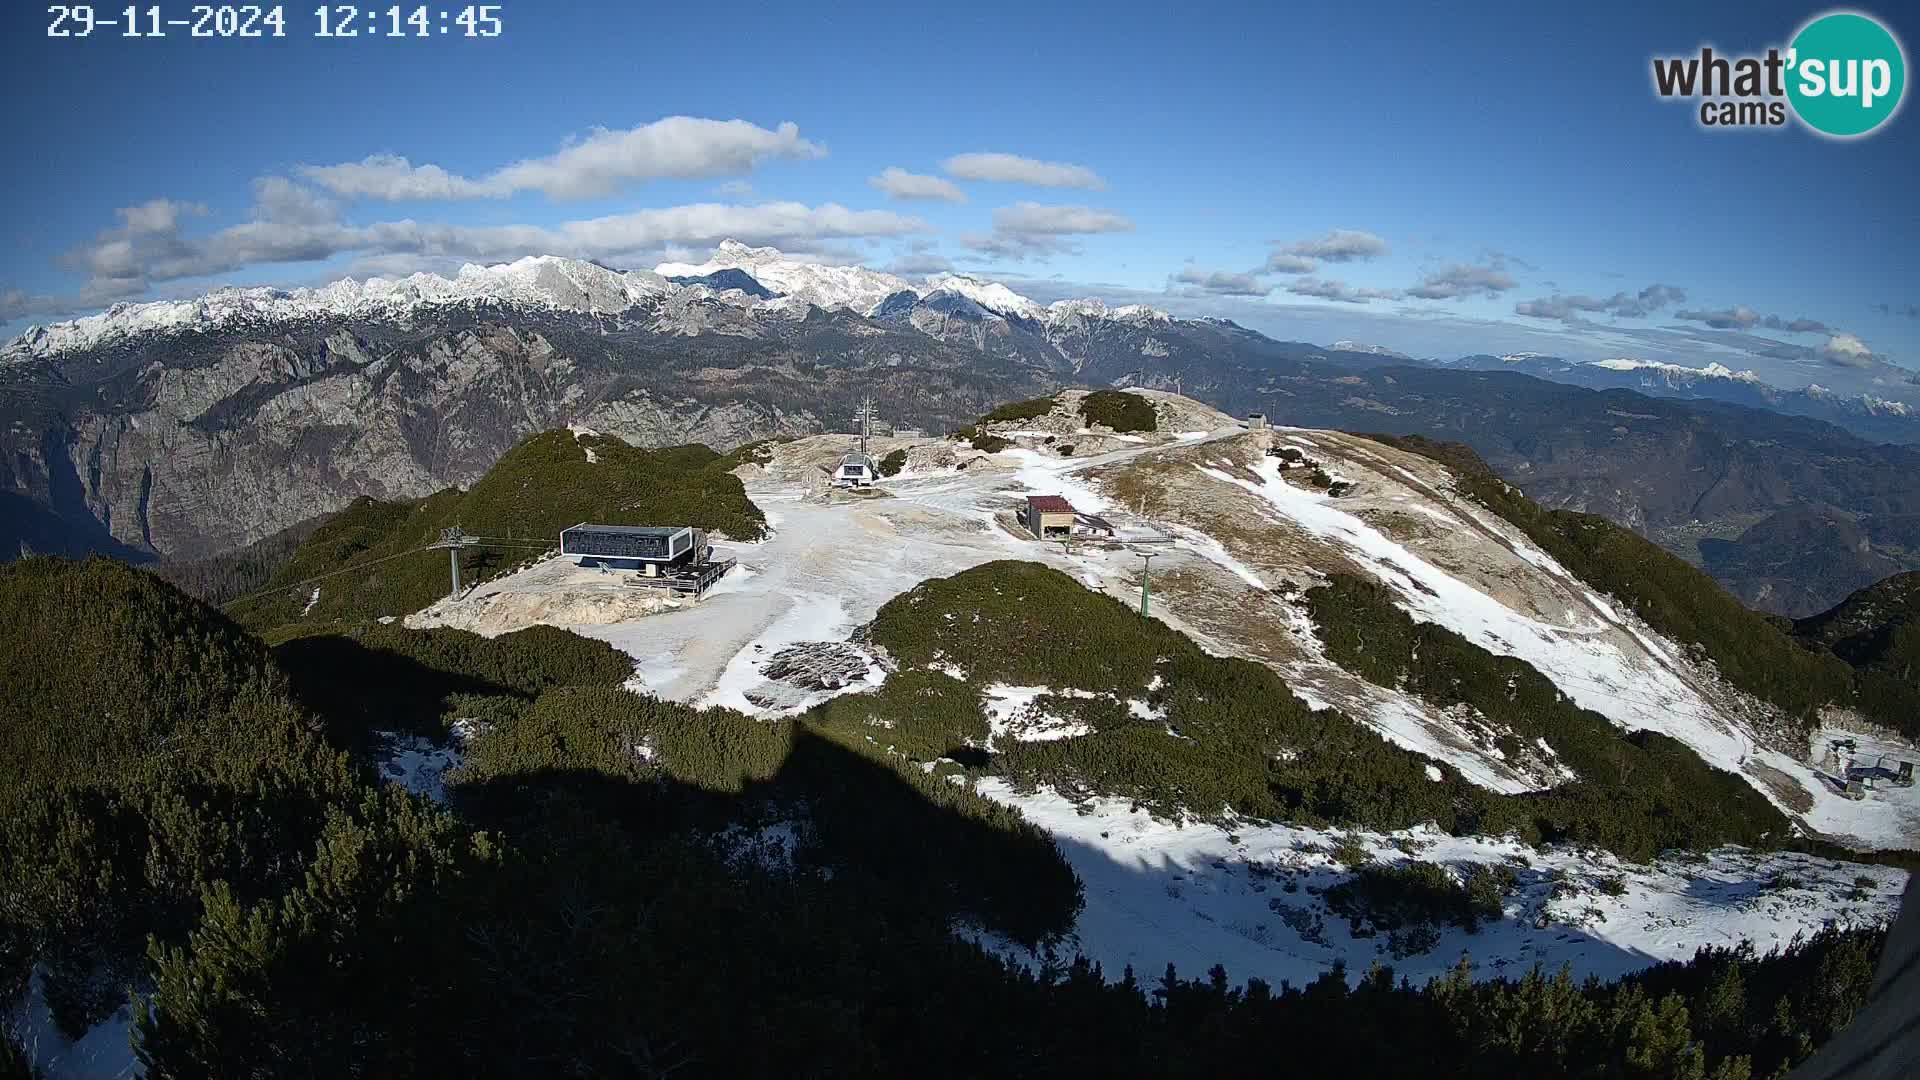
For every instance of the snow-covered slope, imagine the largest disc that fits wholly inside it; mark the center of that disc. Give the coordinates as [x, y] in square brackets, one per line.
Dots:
[780, 285]
[1091, 308]
[854, 288]
[1362, 347]
[990, 295]
[1679, 371]
[536, 281]
[1247, 896]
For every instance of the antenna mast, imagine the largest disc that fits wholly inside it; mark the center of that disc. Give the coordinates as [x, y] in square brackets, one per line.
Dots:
[865, 420]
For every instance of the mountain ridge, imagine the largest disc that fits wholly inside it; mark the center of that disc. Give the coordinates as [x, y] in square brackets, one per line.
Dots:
[183, 429]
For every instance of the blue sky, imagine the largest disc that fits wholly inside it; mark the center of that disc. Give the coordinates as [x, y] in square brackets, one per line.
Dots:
[1443, 170]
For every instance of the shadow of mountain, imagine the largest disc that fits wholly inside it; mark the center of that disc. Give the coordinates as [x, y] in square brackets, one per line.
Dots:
[30, 526]
[853, 820]
[357, 689]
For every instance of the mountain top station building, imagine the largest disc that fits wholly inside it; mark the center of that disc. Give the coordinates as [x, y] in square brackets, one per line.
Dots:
[672, 558]
[649, 549]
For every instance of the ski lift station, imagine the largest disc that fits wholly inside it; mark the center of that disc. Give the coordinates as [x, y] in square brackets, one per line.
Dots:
[856, 470]
[677, 558]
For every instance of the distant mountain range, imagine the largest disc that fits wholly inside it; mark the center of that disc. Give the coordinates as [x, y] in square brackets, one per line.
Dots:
[1865, 415]
[187, 428]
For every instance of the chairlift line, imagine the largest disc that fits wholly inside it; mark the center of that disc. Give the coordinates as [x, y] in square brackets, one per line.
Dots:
[321, 577]
[451, 539]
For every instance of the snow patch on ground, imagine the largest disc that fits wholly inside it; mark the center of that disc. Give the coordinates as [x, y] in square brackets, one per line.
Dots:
[1195, 895]
[810, 617]
[1013, 712]
[1587, 668]
[1215, 552]
[105, 1052]
[421, 764]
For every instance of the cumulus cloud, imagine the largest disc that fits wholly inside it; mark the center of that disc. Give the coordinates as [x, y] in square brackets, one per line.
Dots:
[157, 215]
[898, 183]
[1742, 317]
[98, 293]
[1282, 263]
[603, 163]
[1847, 350]
[918, 265]
[1014, 169]
[1573, 309]
[1219, 283]
[1339, 245]
[1032, 230]
[919, 258]
[1460, 280]
[136, 259]
[276, 198]
[1339, 290]
[1034, 218]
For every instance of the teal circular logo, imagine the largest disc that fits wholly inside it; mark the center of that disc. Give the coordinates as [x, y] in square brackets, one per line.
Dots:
[1846, 74]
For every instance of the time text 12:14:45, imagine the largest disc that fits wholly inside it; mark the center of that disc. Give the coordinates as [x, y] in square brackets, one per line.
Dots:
[346, 20]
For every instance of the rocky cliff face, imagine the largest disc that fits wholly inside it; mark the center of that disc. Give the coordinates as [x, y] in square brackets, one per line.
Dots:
[185, 445]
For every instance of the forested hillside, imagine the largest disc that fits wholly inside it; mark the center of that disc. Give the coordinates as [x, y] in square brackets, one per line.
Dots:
[625, 887]
[369, 553]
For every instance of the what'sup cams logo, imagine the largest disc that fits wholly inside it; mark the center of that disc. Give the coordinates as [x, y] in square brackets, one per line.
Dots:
[1843, 75]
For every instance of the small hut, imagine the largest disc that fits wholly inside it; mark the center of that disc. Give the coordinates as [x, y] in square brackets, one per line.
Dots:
[1049, 517]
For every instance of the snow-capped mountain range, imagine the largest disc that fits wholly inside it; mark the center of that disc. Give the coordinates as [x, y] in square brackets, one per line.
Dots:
[1710, 371]
[559, 284]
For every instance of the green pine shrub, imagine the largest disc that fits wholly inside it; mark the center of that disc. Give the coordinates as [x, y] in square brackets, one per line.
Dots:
[1019, 410]
[1119, 410]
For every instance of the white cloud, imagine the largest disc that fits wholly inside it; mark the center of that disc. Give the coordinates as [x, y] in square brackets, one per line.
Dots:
[919, 258]
[1742, 317]
[898, 183]
[276, 198]
[158, 215]
[1282, 263]
[1338, 245]
[1461, 280]
[605, 162]
[1339, 290]
[138, 259]
[1031, 230]
[1847, 350]
[1014, 169]
[1572, 309]
[1035, 219]
[1220, 283]
[919, 265]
